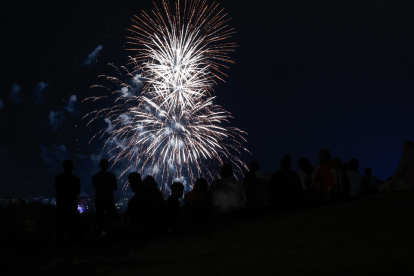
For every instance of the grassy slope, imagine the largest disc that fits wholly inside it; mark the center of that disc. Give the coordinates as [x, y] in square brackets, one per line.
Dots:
[371, 235]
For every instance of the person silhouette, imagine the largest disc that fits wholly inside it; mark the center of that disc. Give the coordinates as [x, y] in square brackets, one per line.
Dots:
[105, 185]
[227, 194]
[326, 178]
[200, 192]
[173, 205]
[131, 220]
[146, 214]
[285, 191]
[356, 181]
[370, 182]
[197, 203]
[262, 179]
[253, 191]
[305, 172]
[67, 188]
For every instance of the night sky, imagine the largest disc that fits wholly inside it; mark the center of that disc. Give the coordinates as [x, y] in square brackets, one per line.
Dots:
[307, 75]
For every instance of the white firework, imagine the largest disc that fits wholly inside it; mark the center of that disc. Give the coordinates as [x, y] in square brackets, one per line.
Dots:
[172, 125]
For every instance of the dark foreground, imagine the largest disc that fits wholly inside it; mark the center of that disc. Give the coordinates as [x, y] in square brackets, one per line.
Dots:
[372, 235]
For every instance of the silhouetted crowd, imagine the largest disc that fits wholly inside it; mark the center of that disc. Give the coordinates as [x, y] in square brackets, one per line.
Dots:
[148, 214]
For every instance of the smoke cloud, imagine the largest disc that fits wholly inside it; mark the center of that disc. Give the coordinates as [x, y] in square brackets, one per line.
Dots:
[126, 119]
[124, 91]
[92, 56]
[39, 92]
[71, 104]
[15, 93]
[108, 129]
[56, 119]
[171, 165]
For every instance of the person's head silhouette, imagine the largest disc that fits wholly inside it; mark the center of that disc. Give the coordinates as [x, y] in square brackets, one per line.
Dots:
[353, 164]
[324, 155]
[177, 189]
[226, 170]
[254, 166]
[67, 165]
[286, 162]
[305, 165]
[104, 164]
[249, 178]
[201, 186]
[135, 181]
[337, 161]
[149, 182]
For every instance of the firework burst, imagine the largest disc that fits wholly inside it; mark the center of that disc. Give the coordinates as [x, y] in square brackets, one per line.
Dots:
[180, 54]
[171, 125]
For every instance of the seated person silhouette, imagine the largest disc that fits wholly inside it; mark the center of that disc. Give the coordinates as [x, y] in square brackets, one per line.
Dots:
[146, 213]
[105, 185]
[262, 179]
[197, 203]
[285, 187]
[227, 194]
[326, 178]
[67, 188]
[173, 205]
[305, 172]
[355, 178]
[253, 191]
[344, 193]
[370, 182]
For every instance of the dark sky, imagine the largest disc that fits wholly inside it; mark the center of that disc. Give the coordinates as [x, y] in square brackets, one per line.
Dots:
[307, 75]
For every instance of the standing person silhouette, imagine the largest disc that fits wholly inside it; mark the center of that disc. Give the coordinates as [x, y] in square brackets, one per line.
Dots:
[67, 188]
[105, 185]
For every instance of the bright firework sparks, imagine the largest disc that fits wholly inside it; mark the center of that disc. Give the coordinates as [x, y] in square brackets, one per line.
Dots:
[172, 126]
[180, 52]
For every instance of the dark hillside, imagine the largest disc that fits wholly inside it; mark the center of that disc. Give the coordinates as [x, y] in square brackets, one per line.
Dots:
[366, 236]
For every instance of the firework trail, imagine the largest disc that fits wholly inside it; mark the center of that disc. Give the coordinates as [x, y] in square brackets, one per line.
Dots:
[172, 125]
